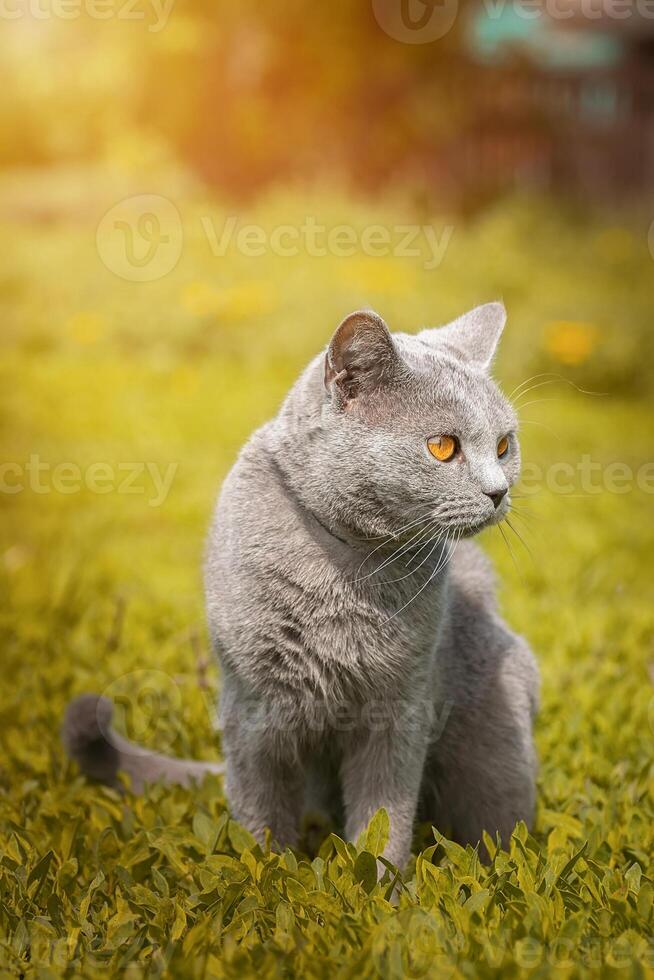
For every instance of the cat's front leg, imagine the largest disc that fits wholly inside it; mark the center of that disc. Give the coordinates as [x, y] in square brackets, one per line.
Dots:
[264, 792]
[263, 777]
[383, 768]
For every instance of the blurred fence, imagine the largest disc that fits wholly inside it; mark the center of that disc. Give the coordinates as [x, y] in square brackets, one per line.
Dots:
[251, 98]
[589, 134]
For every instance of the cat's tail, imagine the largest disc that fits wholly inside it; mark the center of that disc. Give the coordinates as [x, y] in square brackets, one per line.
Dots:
[102, 753]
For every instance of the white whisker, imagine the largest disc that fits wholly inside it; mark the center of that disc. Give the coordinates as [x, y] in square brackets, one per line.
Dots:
[554, 379]
[521, 540]
[452, 543]
[395, 554]
[534, 377]
[542, 425]
[509, 548]
[401, 530]
[434, 543]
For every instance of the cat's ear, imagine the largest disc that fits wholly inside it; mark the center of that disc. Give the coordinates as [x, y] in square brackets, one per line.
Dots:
[360, 357]
[473, 336]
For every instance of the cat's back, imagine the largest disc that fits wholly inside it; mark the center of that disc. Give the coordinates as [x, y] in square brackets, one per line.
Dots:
[251, 515]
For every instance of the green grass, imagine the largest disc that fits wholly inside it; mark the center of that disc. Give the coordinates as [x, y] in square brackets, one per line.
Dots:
[102, 592]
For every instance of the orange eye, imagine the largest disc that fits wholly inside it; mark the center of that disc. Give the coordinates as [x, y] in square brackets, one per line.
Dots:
[443, 447]
[502, 447]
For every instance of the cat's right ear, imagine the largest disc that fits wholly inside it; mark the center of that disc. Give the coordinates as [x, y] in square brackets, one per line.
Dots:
[360, 357]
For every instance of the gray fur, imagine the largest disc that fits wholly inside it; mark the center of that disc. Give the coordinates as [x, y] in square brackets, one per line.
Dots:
[102, 753]
[364, 661]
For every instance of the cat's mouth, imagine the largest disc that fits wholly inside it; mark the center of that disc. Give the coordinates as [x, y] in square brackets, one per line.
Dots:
[469, 529]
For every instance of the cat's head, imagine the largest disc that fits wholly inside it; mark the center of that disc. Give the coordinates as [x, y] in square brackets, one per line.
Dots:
[414, 425]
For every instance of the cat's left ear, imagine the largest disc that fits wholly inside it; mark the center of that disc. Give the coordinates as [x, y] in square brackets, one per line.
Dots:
[473, 337]
[360, 357]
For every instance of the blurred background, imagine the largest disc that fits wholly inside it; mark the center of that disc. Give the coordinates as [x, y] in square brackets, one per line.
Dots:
[458, 101]
[192, 196]
[520, 130]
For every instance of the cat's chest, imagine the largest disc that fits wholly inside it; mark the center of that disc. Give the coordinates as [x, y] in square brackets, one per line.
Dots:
[359, 639]
[299, 614]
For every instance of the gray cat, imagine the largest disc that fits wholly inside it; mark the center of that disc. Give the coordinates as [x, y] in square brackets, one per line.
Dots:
[364, 661]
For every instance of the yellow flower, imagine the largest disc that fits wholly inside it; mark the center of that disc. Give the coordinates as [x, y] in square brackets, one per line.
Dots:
[236, 302]
[571, 341]
[184, 379]
[246, 299]
[380, 274]
[201, 299]
[86, 327]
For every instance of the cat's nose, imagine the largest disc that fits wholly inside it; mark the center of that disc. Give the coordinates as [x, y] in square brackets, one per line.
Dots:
[497, 496]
